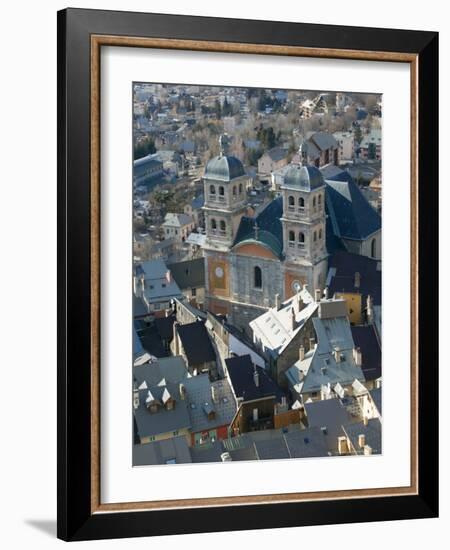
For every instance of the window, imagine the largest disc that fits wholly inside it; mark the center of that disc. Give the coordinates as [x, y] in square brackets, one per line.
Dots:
[291, 236]
[240, 189]
[193, 292]
[221, 191]
[213, 224]
[212, 190]
[320, 234]
[301, 203]
[301, 240]
[315, 236]
[314, 203]
[234, 191]
[373, 248]
[257, 277]
[319, 200]
[291, 200]
[223, 226]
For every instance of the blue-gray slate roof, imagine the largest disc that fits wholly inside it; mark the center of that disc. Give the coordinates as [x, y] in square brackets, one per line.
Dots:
[351, 214]
[270, 230]
[224, 168]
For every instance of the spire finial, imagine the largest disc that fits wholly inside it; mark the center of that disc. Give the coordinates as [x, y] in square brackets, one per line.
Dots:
[223, 144]
[303, 153]
[256, 228]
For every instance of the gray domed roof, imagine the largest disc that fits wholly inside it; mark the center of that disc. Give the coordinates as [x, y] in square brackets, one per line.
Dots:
[224, 168]
[305, 178]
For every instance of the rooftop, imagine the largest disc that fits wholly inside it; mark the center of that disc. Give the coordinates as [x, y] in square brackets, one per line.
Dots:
[342, 269]
[371, 432]
[177, 220]
[366, 340]
[210, 404]
[274, 329]
[189, 274]
[196, 343]
[167, 451]
[250, 381]
[224, 168]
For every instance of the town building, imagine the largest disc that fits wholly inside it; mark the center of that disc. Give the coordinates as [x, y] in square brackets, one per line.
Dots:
[354, 278]
[154, 287]
[190, 278]
[211, 407]
[346, 146]
[271, 160]
[160, 412]
[370, 146]
[259, 398]
[333, 360]
[192, 342]
[147, 170]
[177, 226]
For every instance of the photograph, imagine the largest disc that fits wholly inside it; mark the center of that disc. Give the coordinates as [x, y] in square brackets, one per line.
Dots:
[256, 261]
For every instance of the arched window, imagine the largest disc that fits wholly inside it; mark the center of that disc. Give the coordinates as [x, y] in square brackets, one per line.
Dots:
[301, 203]
[221, 191]
[240, 189]
[320, 234]
[301, 240]
[291, 239]
[319, 200]
[257, 277]
[314, 203]
[234, 191]
[373, 248]
[223, 226]
[213, 224]
[315, 236]
[291, 200]
[212, 189]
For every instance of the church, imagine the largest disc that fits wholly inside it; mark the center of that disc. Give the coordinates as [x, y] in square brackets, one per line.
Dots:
[251, 262]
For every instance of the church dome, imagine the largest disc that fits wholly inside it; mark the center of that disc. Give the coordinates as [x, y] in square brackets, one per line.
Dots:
[305, 178]
[224, 168]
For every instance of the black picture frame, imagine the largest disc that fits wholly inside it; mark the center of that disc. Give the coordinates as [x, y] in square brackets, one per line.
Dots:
[75, 518]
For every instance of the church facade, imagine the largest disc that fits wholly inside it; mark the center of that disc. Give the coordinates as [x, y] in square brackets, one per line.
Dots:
[251, 262]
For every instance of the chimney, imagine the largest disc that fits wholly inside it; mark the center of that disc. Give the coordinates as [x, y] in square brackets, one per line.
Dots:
[136, 398]
[256, 376]
[369, 310]
[357, 283]
[176, 346]
[301, 353]
[361, 440]
[367, 450]
[317, 294]
[342, 445]
[182, 391]
[357, 356]
[312, 343]
[277, 302]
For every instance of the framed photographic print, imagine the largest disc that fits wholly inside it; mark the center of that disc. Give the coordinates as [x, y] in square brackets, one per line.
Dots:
[247, 274]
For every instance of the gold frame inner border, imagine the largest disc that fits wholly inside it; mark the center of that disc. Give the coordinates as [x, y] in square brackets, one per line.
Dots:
[97, 41]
